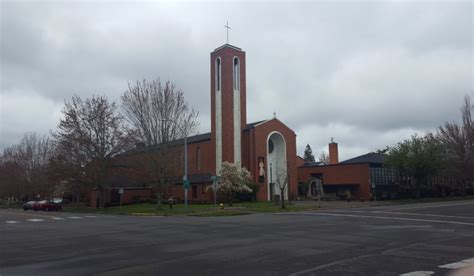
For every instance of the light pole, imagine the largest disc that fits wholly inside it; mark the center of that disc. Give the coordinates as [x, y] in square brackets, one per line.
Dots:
[185, 177]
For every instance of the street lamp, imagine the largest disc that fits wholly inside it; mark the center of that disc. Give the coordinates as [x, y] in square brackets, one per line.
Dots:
[185, 177]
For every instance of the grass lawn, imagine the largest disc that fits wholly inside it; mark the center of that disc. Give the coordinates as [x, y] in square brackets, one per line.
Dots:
[147, 209]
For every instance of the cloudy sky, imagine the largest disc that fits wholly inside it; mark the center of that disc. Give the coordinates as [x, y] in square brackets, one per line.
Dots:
[368, 74]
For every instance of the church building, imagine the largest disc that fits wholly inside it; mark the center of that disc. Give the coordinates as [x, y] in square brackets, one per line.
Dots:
[266, 148]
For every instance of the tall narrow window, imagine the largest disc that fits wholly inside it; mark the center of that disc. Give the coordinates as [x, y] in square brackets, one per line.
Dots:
[218, 74]
[198, 158]
[236, 74]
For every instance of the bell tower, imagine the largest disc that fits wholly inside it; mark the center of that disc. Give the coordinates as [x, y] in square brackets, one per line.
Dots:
[228, 104]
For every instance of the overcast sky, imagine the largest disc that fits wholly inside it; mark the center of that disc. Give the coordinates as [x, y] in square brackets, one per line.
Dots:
[368, 74]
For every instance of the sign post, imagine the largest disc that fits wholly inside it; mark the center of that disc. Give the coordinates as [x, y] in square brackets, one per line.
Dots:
[215, 182]
[372, 184]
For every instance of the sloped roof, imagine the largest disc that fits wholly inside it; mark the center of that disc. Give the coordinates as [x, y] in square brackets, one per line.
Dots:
[227, 46]
[191, 139]
[252, 125]
[372, 157]
[312, 164]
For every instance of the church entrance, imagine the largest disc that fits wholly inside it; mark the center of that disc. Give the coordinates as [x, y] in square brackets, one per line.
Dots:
[277, 167]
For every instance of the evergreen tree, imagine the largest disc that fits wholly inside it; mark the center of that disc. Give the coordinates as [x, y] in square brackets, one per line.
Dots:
[308, 154]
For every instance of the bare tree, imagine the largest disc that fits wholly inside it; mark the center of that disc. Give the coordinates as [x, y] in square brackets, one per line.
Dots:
[159, 114]
[324, 158]
[92, 131]
[458, 142]
[282, 178]
[25, 167]
[68, 168]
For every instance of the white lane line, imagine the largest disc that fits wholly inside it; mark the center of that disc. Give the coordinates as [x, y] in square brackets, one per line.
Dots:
[430, 206]
[460, 264]
[57, 218]
[12, 221]
[418, 214]
[380, 217]
[35, 220]
[417, 273]
[74, 217]
[303, 272]
[90, 216]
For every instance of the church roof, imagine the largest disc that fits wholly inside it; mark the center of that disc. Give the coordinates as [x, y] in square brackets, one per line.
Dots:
[252, 125]
[228, 46]
[372, 157]
[191, 139]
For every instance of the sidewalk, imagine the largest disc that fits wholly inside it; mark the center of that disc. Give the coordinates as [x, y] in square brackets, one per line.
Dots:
[356, 204]
[341, 204]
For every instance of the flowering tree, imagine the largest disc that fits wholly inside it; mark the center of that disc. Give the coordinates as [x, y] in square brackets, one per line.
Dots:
[233, 179]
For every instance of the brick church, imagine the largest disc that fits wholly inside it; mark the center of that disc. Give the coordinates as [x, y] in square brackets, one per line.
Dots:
[266, 148]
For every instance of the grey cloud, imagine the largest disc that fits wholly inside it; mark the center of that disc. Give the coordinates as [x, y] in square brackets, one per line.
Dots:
[367, 73]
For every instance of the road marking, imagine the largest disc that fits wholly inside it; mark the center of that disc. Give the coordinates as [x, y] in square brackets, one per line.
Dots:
[74, 217]
[460, 264]
[35, 220]
[418, 214]
[330, 264]
[25, 214]
[380, 217]
[90, 216]
[431, 206]
[57, 218]
[417, 273]
[12, 221]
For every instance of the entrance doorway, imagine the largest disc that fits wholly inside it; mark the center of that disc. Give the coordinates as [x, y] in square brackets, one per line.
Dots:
[277, 166]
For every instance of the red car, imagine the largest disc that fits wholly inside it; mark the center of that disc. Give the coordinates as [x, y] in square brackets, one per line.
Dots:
[47, 206]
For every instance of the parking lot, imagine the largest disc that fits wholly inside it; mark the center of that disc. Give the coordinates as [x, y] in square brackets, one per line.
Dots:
[415, 239]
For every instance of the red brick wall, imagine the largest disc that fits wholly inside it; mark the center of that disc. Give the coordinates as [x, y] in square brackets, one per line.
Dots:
[257, 145]
[341, 175]
[129, 196]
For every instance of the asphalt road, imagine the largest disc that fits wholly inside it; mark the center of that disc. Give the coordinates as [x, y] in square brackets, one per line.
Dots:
[421, 239]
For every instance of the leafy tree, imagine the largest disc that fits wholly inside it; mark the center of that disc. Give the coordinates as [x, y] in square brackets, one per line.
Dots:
[233, 179]
[159, 114]
[308, 154]
[417, 158]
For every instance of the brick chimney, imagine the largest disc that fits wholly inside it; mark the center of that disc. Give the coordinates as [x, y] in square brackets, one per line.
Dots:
[333, 152]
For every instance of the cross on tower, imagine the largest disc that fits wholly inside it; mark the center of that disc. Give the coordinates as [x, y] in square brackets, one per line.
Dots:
[227, 27]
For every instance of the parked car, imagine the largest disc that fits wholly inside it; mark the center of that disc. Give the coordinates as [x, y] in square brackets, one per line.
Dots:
[28, 205]
[46, 205]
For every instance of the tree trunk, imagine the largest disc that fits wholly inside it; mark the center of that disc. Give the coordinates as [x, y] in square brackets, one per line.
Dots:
[77, 199]
[282, 193]
[158, 201]
[230, 198]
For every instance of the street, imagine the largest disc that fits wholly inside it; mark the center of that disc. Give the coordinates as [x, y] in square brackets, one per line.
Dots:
[421, 239]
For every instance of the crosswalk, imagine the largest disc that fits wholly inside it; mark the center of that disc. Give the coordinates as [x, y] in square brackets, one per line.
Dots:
[44, 218]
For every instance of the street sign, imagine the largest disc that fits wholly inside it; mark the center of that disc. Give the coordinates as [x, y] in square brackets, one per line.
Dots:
[186, 184]
[121, 191]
